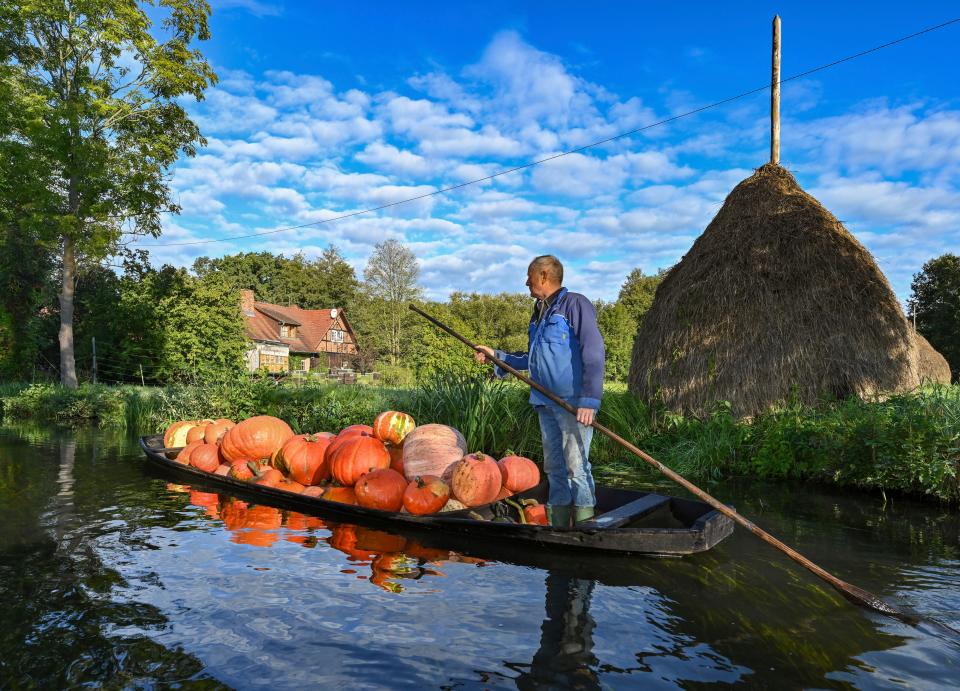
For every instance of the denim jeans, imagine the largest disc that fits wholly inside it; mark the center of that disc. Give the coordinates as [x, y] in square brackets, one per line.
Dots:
[566, 457]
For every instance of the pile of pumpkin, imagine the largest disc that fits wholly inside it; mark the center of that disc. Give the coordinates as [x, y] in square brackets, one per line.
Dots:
[392, 465]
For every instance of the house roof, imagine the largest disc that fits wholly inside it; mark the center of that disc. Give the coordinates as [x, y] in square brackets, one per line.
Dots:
[312, 325]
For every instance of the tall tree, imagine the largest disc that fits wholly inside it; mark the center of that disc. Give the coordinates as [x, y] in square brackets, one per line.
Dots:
[618, 328]
[636, 293]
[107, 122]
[935, 304]
[391, 279]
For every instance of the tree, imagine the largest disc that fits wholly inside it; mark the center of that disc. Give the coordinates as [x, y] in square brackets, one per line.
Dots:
[104, 125]
[618, 328]
[391, 279]
[499, 321]
[935, 304]
[636, 293]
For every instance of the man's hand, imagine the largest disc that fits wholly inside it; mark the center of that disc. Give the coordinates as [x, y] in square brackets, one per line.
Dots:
[585, 415]
[482, 357]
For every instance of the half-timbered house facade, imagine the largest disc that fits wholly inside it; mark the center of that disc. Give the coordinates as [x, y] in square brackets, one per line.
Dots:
[317, 339]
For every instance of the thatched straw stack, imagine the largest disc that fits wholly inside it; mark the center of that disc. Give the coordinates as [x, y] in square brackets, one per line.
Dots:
[933, 367]
[775, 298]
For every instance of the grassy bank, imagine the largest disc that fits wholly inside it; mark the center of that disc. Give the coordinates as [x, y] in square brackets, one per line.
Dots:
[908, 443]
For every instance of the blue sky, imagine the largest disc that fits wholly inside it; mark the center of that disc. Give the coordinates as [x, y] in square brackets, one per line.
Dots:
[327, 108]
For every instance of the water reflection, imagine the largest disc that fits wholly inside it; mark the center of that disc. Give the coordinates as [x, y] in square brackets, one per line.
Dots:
[565, 658]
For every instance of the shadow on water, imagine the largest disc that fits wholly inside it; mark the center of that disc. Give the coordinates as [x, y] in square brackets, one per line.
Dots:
[115, 576]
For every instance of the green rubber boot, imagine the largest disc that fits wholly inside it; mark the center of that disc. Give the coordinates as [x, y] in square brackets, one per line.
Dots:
[559, 516]
[583, 513]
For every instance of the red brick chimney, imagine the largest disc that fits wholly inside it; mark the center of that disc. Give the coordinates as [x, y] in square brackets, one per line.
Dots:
[246, 302]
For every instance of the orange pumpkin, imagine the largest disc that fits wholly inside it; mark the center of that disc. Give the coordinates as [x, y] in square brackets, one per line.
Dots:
[240, 471]
[255, 439]
[536, 514]
[184, 455]
[425, 495]
[476, 479]
[289, 485]
[396, 457]
[205, 499]
[175, 436]
[344, 538]
[503, 494]
[259, 527]
[222, 469]
[196, 433]
[268, 477]
[381, 489]
[344, 495]
[304, 459]
[314, 491]
[206, 457]
[213, 434]
[350, 458]
[365, 430]
[432, 450]
[519, 473]
[392, 427]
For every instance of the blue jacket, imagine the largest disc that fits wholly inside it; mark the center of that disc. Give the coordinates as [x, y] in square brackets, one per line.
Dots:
[565, 353]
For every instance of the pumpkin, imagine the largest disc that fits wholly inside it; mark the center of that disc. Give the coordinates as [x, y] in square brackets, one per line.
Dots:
[213, 434]
[196, 433]
[184, 455]
[432, 450]
[476, 479]
[365, 430]
[392, 427]
[259, 527]
[344, 495]
[268, 477]
[255, 439]
[396, 458]
[233, 514]
[350, 458]
[206, 457]
[222, 469]
[536, 514]
[240, 471]
[304, 459]
[175, 435]
[519, 473]
[381, 489]
[288, 485]
[503, 494]
[425, 495]
[344, 538]
[205, 499]
[314, 491]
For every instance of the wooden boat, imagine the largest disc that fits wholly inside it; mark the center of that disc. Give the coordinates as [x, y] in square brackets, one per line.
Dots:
[627, 521]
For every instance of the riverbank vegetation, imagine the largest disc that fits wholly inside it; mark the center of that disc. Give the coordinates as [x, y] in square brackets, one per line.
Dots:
[907, 443]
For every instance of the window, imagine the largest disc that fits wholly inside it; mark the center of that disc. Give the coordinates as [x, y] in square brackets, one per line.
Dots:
[336, 336]
[284, 331]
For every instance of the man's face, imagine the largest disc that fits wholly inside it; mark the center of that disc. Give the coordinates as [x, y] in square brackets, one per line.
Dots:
[537, 282]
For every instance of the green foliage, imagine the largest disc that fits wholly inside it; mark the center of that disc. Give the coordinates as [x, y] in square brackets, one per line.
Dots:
[390, 281]
[618, 328]
[326, 282]
[936, 304]
[637, 292]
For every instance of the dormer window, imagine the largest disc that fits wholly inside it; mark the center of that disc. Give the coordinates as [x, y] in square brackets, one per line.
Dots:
[287, 331]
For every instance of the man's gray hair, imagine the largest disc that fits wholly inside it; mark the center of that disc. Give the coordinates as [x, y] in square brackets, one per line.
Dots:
[550, 264]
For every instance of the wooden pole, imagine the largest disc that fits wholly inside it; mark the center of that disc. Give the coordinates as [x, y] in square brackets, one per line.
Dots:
[142, 383]
[93, 345]
[775, 96]
[851, 592]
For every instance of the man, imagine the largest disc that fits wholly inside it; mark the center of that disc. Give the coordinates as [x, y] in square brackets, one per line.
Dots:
[566, 356]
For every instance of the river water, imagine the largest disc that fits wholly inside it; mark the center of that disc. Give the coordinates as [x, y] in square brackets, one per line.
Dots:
[112, 575]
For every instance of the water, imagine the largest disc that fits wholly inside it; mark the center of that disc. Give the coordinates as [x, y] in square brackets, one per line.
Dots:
[110, 575]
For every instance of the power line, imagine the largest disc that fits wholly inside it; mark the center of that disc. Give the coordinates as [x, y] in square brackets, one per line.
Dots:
[578, 149]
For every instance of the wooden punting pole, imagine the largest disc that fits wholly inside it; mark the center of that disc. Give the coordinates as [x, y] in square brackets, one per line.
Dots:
[775, 95]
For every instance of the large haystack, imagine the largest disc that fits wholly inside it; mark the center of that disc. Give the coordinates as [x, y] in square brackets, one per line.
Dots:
[775, 298]
[932, 367]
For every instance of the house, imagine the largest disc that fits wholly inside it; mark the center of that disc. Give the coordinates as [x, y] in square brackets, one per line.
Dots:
[322, 338]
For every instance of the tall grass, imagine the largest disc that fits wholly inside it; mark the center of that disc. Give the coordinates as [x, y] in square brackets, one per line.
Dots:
[909, 442]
